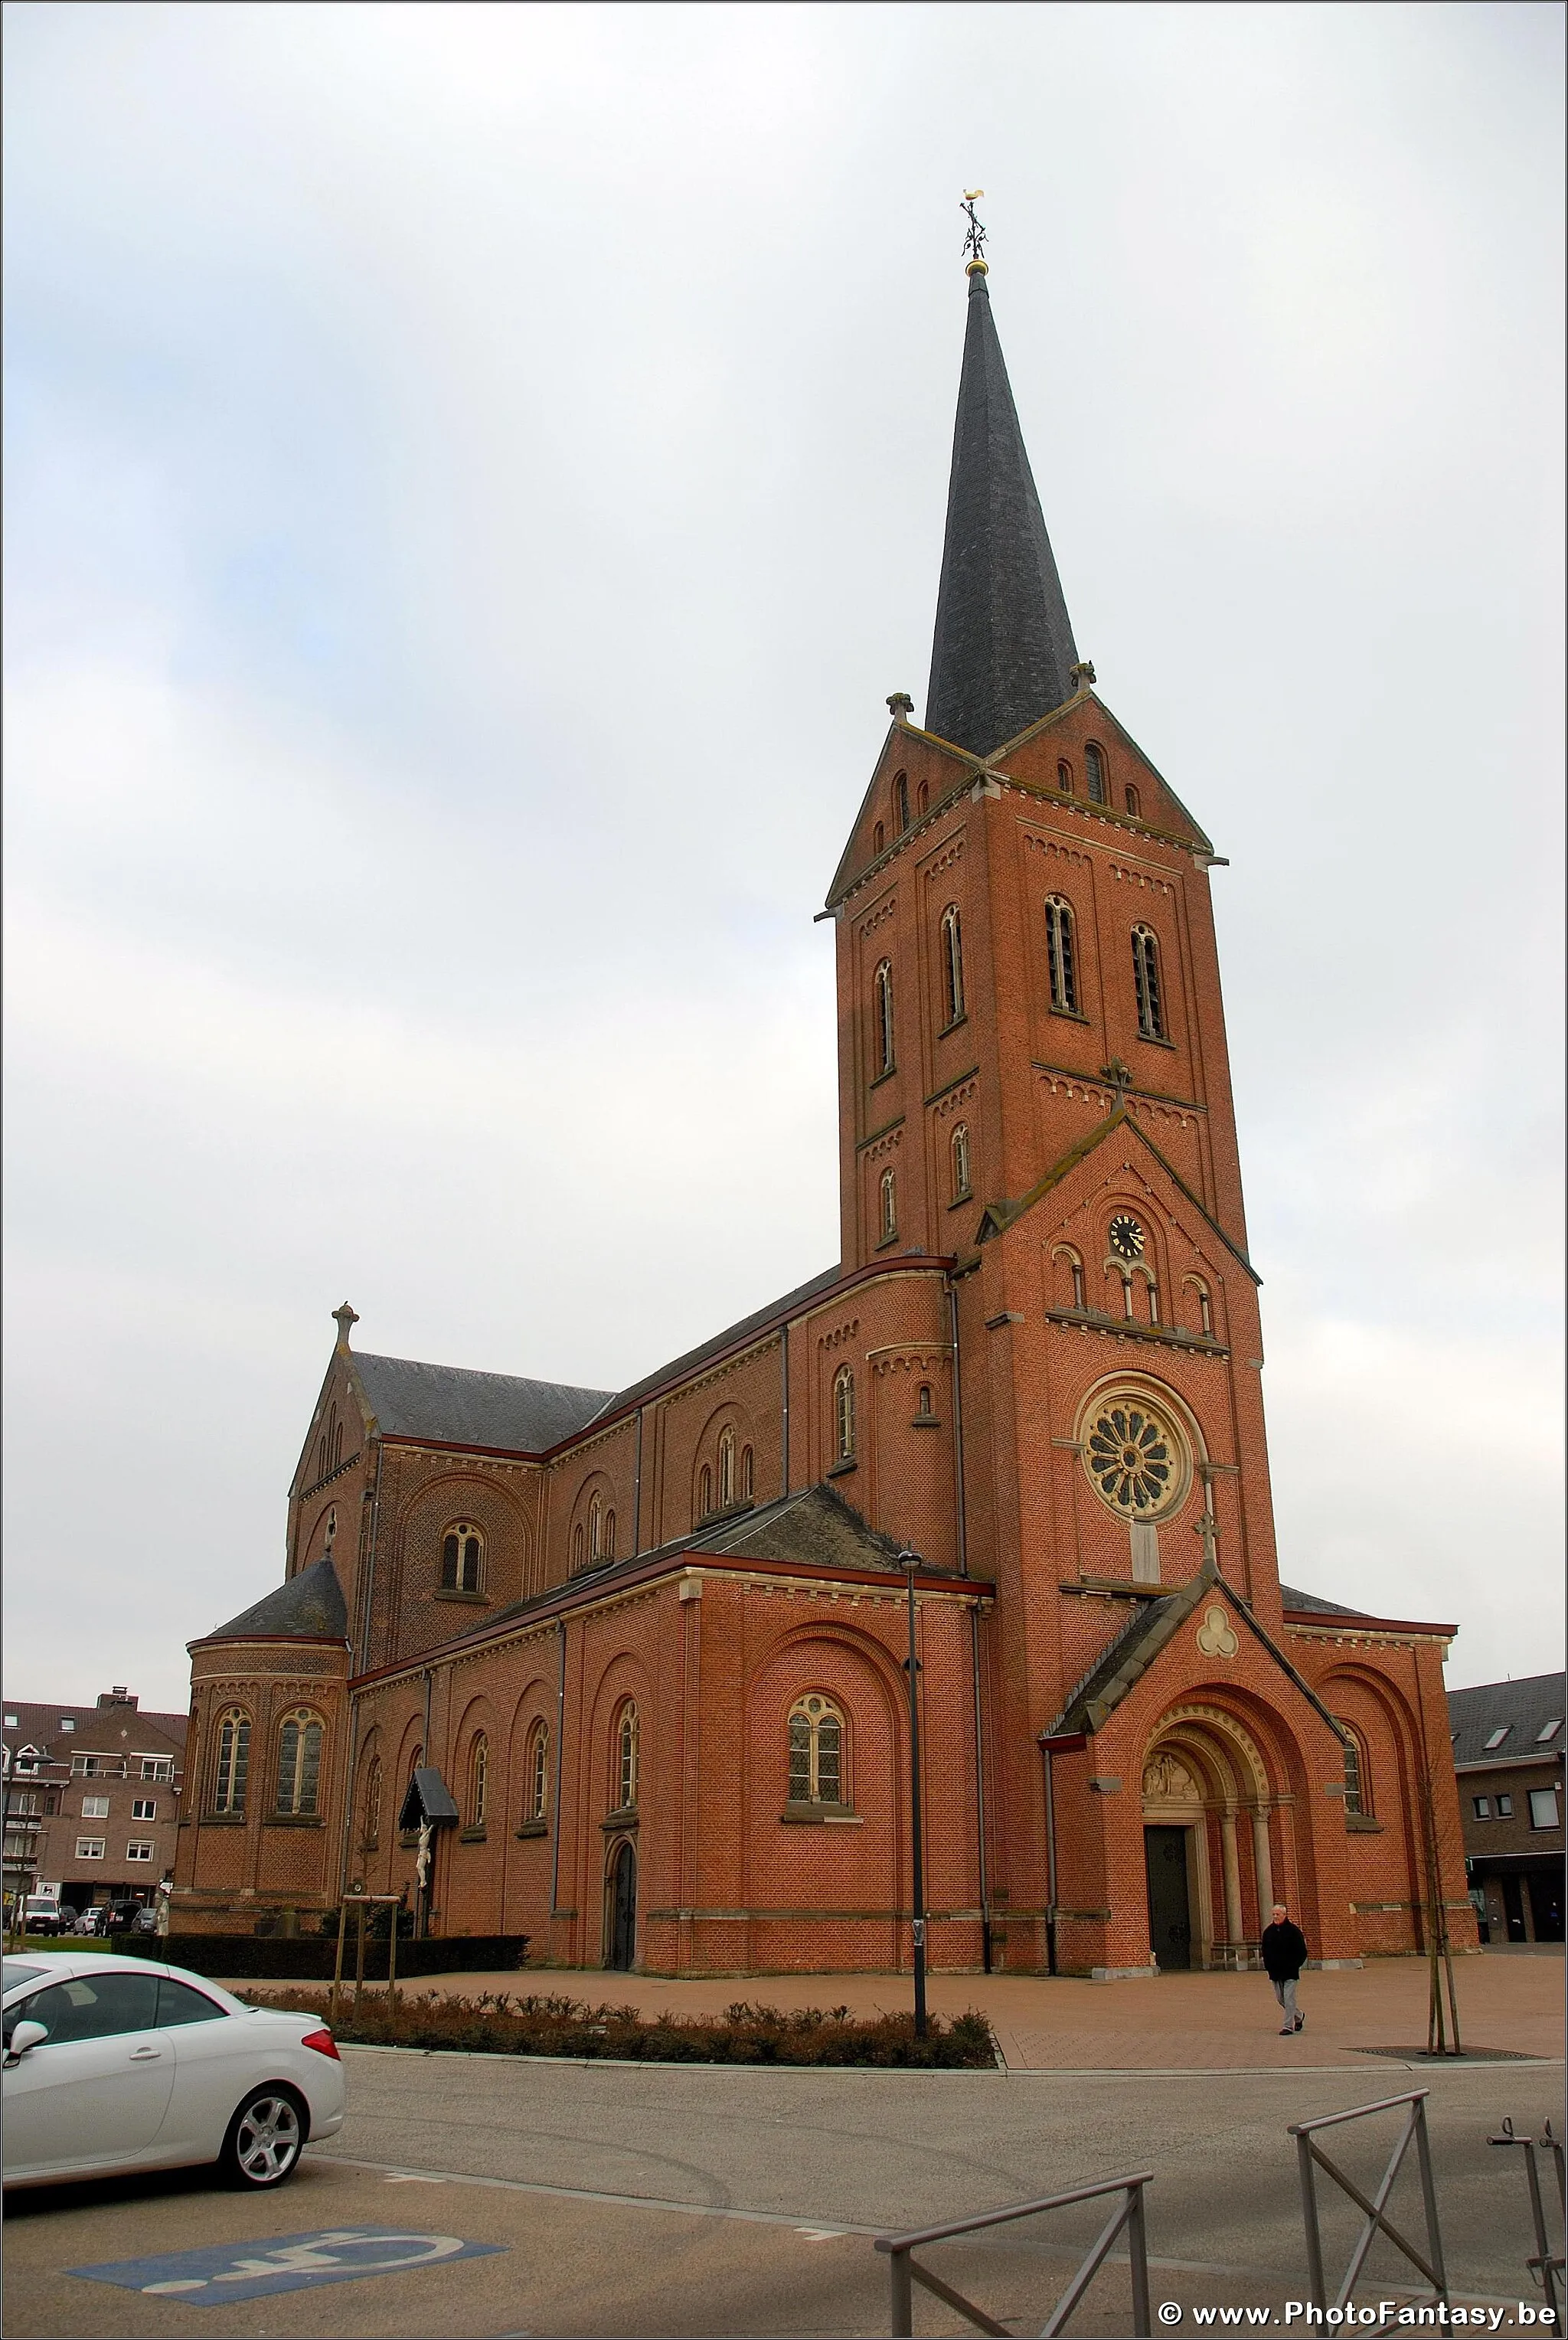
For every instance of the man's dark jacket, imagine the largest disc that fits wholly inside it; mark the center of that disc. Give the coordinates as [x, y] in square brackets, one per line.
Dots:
[1284, 1952]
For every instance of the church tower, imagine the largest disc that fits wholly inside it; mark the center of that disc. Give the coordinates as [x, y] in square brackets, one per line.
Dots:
[1033, 1088]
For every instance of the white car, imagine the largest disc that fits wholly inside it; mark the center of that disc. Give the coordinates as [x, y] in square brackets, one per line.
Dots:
[116, 2064]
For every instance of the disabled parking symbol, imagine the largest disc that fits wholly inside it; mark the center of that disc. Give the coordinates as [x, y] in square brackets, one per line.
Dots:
[223, 2271]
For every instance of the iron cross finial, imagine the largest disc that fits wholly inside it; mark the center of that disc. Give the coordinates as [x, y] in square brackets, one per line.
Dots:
[975, 235]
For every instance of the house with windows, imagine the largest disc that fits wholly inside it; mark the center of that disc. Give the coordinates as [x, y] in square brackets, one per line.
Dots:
[1507, 1739]
[625, 1670]
[92, 1798]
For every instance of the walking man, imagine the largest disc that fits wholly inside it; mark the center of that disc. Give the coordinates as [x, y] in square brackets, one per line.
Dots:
[1284, 1947]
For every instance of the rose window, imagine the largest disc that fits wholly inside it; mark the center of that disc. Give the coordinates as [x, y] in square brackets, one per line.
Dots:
[1135, 1457]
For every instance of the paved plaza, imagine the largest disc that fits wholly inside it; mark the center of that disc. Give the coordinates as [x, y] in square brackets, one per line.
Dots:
[622, 2199]
[1178, 2022]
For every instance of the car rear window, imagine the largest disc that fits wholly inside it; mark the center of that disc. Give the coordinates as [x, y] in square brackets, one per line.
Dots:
[178, 2003]
[15, 1972]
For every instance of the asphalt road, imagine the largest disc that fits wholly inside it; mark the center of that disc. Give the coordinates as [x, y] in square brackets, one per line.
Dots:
[653, 2200]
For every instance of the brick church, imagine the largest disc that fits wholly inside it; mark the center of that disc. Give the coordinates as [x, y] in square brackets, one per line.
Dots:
[625, 1671]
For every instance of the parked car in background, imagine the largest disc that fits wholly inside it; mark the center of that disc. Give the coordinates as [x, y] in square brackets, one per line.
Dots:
[41, 1914]
[146, 1919]
[121, 1915]
[114, 2064]
[91, 1921]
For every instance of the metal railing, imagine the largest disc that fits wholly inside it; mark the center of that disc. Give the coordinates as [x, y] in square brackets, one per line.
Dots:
[1547, 2265]
[1311, 2158]
[904, 2270]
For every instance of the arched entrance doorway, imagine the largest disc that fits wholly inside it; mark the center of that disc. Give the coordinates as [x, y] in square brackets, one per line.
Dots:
[621, 1908]
[1208, 1862]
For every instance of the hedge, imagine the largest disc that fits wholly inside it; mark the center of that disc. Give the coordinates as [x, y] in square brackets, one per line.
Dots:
[546, 2025]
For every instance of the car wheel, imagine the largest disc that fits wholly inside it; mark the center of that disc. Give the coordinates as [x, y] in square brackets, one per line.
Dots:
[265, 2139]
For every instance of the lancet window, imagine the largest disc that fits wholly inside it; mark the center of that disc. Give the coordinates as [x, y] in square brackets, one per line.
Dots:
[952, 963]
[1146, 983]
[1061, 955]
[300, 1762]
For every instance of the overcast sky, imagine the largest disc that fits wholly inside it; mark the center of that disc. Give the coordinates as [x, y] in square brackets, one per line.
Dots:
[475, 475]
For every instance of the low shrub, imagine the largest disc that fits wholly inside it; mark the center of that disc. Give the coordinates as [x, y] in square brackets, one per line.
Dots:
[546, 2024]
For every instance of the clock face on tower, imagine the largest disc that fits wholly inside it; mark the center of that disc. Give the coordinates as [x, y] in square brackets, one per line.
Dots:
[1127, 1238]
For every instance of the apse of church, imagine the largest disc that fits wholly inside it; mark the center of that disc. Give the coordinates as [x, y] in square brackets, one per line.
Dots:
[630, 1664]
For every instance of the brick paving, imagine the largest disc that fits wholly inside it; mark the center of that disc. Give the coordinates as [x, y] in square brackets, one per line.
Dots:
[1191, 2022]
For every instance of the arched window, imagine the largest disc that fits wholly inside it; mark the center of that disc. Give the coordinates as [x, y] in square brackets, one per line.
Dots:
[478, 1779]
[1095, 769]
[627, 1756]
[960, 1150]
[901, 800]
[844, 1414]
[1147, 982]
[1061, 955]
[577, 1550]
[536, 1773]
[879, 837]
[595, 1528]
[1130, 799]
[923, 1402]
[609, 1535]
[704, 1491]
[725, 1468]
[952, 963]
[882, 986]
[816, 1752]
[889, 1206]
[1069, 1277]
[1064, 777]
[337, 1444]
[461, 1551]
[232, 1761]
[300, 1762]
[1205, 1306]
[748, 1474]
[1357, 1778]
[922, 797]
[371, 1806]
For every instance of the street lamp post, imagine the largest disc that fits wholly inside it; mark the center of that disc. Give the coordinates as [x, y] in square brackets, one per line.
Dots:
[909, 1562]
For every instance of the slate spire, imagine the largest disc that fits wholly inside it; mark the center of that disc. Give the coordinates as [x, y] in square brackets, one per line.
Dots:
[1003, 651]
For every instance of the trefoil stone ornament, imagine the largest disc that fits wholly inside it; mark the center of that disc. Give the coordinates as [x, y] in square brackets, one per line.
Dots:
[1216, 1636]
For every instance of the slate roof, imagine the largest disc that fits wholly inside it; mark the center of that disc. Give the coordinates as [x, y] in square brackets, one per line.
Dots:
[428, 1798]
[1003, 651]
[816, 1526]
[461, 1408]
[1526, 1706]
[1311, 1601]
[727, 1339]
[309, 1605]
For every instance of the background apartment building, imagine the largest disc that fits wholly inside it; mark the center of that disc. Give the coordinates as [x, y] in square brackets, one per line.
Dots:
[1508, 1756]
[92, 1798]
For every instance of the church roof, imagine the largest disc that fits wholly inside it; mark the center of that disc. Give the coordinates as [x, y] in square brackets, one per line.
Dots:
[680, 1366]
[310, 1607]
[461, 1408]
[816, 1526]
[1314, 1602]
[1003, 653]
